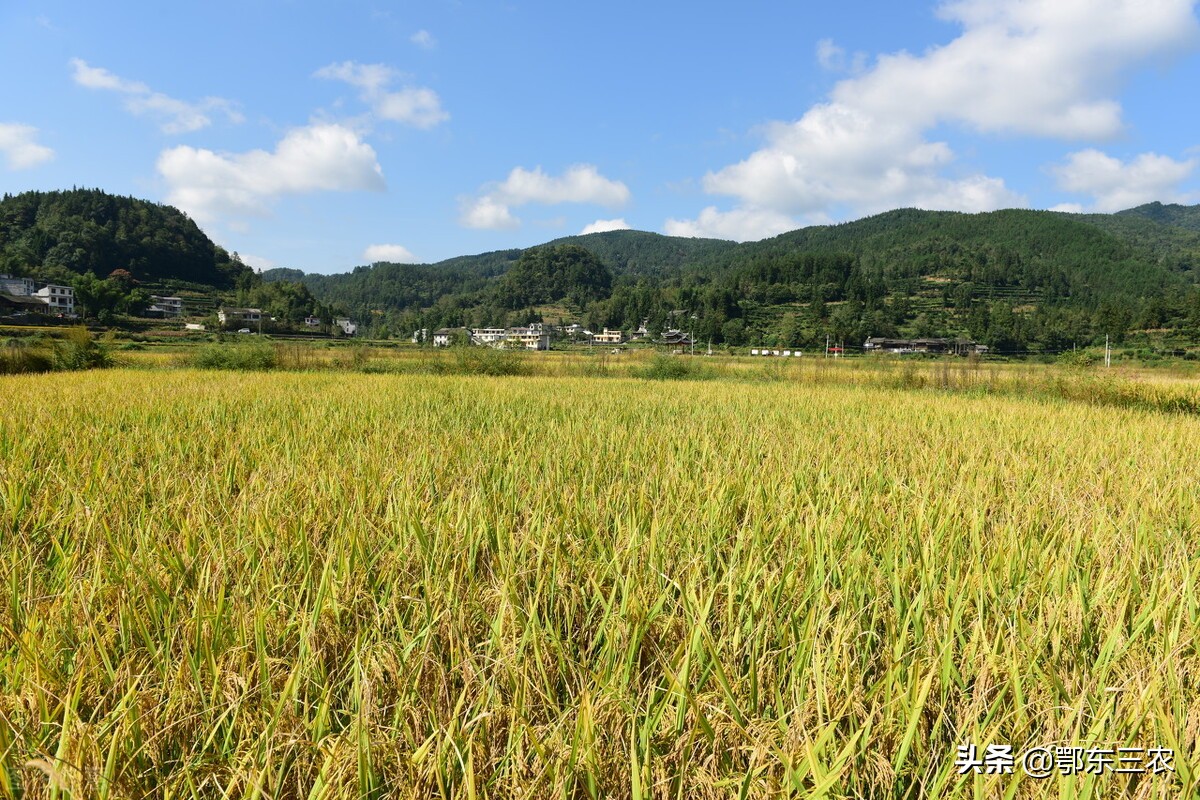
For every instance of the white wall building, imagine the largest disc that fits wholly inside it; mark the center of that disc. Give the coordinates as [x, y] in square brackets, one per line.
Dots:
[444, 337]
[531, 338]
[230, 315]
[488, 336]
[61, 299]
[17, 287]
[348, 327]
[608, 337]
[166, 306]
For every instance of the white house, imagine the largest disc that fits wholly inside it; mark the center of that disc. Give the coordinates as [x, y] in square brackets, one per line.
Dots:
[608, 337]
[444, 337]
[488, 336]
[312, 322]
[348, 327]
[534, 337]
[17, 287]
[230, 315]
[166, 306]
[61, 299]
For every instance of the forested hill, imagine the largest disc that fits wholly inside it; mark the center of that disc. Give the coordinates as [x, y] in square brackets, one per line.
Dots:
[58, 235]
[1173, 214]
[1080, 259]
[1063, 256]
[638, 254]
[1012, 278]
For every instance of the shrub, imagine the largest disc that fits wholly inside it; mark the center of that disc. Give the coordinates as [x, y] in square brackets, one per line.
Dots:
[1077, 358]
[673, 368]
[255, 356]
[482, 361]
[80, 350]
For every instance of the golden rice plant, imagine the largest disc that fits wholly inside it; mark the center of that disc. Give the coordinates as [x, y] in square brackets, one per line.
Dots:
[329, 584]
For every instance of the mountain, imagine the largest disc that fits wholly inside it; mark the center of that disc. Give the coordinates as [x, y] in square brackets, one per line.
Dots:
[57, 235]
[1013, 278]
[1174, 214]
[638, 254]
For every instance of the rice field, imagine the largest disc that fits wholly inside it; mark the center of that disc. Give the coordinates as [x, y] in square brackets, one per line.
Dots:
[330, 584]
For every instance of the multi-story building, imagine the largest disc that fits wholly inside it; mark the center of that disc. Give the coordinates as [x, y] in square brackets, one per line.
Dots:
[17, 287]
[347, 325]
[532, 338]
[231, 315]
[61, 299]
[165, 306]
[488, 336]
[444, 337]
[608, 337]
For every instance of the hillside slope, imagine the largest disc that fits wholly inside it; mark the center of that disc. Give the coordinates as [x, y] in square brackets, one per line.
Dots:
[55, 235]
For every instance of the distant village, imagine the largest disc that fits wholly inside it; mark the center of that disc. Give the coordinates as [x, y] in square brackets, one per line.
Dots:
[537, 336]
[20, 296]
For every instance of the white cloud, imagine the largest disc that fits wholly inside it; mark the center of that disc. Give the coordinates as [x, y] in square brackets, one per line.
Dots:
[1068, 208]
[1115, 185]
[411, 105]
[830, 56]
[18, 144]
[604, 225]
[177, 116]
[394, 253]
[740, 224]
[320, 157]
[1043, 68]
[580, 183]
[488, 214]
[423, 39]
[257, 262]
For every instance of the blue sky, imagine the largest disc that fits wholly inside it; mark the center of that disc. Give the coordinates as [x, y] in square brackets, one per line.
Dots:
[323, 135]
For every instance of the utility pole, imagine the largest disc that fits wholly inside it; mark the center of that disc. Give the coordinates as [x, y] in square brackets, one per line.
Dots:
[1107, 352]
[827, 345]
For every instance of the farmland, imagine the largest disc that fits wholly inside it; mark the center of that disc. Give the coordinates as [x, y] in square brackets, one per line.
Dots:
[387, 579]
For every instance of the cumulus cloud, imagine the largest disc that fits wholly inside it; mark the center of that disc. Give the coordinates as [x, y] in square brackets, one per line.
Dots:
[394, 253]
[18, 144]
[423, 39]
[741, 224]
[322, 157]
[488, 214]
[1115, 185]
[581, 183]
[410, 105]
[603, 225]
[1044, 68]
[176, 116]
